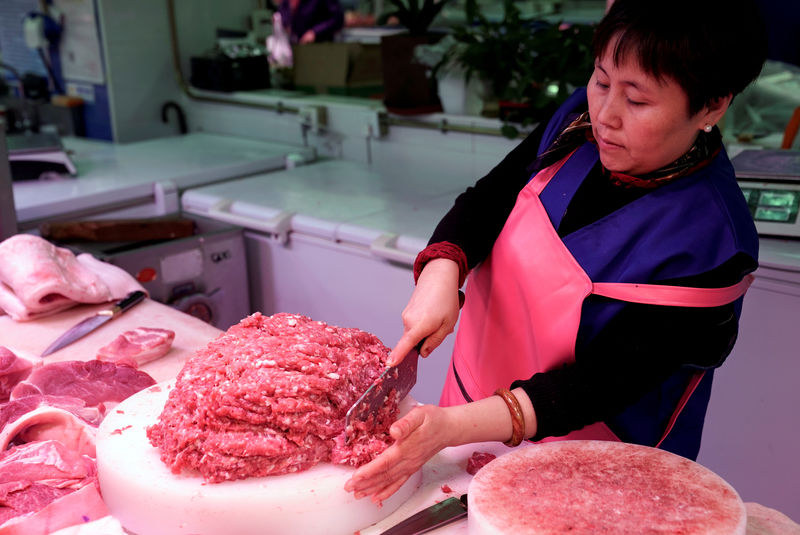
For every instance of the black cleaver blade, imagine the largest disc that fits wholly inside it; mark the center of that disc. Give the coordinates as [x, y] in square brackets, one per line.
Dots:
[400, 378]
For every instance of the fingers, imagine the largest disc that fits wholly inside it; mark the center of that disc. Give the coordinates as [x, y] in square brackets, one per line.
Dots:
[387, 491]
[381, 477]
[406, 425]
[409, 340]
[385, 474]
[401, 349]
[433, 341]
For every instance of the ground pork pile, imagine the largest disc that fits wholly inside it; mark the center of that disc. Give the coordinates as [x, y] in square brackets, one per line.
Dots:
[270, 396]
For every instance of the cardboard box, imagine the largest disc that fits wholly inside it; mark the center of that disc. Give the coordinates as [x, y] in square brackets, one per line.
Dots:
[338, 68]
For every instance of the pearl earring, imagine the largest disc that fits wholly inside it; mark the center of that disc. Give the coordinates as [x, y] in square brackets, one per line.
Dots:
[708, 128]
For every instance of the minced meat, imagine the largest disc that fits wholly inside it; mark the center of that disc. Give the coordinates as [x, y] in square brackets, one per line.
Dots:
[270, 396]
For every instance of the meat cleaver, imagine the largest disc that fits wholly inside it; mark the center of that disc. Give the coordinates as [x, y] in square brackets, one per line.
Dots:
[91, 323]
[400, 378]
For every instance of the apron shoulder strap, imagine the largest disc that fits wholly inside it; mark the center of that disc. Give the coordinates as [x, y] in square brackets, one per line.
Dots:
[656, 294]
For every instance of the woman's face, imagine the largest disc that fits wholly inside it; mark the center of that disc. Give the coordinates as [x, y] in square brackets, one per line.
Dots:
[640, 123]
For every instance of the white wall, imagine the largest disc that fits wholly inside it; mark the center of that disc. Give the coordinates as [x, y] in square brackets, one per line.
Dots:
[138, 56]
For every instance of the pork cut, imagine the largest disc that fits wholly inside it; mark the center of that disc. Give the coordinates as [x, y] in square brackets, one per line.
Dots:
[478, 460]
[45, 486]
[13, 369]
[98, 384]
[63, 418]
[137, 346]
[37, 278]
[270, 396]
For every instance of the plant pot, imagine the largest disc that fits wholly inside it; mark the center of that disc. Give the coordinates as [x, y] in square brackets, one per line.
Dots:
[408, 86]
[459, 97]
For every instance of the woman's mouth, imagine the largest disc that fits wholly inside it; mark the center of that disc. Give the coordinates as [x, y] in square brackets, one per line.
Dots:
[606, 144]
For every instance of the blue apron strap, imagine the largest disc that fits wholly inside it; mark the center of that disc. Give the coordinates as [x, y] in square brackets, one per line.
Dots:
[556, 124]
[556, 198]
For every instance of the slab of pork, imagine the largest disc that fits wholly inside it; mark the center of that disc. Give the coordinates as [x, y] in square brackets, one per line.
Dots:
[137, 346]
[13, 369]
[37, 278]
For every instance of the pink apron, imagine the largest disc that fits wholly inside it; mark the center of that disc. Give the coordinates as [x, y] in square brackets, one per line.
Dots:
[522, 310]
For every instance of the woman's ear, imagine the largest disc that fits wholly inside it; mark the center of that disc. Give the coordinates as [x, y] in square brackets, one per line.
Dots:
[713, 111]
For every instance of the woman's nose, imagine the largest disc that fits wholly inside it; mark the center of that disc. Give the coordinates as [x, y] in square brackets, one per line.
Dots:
[608, 112]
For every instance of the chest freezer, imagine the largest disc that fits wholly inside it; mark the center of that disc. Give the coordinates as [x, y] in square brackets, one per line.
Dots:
[144, 179]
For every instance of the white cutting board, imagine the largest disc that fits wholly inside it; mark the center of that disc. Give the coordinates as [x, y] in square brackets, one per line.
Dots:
[28, 339]
[148, 499]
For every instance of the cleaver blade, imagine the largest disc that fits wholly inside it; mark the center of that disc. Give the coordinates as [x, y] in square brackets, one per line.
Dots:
[400, 378]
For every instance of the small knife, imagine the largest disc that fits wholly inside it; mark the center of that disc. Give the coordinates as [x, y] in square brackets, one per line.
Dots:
[433, 517]
[88, 325]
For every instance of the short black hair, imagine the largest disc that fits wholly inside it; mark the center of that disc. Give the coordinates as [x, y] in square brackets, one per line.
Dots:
[711, 48]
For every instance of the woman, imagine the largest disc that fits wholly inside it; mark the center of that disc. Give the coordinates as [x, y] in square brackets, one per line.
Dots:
[311, 21]
[613, 248]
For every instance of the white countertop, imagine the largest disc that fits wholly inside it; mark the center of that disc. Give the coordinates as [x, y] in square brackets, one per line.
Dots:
[109, 173]
[27, 339]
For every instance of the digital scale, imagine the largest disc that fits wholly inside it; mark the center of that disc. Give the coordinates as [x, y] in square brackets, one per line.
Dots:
[34, 156]
[770, 181]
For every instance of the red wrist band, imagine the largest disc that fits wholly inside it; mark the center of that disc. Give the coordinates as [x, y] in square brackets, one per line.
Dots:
[443, 249]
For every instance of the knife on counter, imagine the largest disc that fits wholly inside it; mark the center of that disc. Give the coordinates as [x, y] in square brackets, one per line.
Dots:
[432, 517]
[91, 323]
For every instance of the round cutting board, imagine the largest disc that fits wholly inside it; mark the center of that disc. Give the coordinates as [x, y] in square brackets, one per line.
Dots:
[148, 499]
[583, 487]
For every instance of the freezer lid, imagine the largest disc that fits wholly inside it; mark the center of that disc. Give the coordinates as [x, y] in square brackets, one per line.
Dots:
[250, 216]
[109, 174]
[780, 254]
[319, 196]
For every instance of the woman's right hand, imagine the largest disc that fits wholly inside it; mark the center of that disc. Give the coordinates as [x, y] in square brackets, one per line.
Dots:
[432, 312]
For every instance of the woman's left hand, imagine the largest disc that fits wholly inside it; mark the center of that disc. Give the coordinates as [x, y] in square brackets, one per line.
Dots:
[428, 429]
[309, 37]
[418, 436]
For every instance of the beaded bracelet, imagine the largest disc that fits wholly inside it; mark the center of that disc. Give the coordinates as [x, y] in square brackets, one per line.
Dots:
[517, 418]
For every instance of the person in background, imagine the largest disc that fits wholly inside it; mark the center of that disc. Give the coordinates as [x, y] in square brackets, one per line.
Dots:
[608, 254]
[311, 21]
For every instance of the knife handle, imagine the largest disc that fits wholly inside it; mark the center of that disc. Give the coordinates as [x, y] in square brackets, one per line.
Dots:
[130, 300]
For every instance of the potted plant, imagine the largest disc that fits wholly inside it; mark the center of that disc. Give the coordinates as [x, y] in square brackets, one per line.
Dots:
[460, 92]
[530, 66]
[559, 59]
[408, 86]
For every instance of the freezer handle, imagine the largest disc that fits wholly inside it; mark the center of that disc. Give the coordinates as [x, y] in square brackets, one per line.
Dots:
[277, 225]
[384, 246]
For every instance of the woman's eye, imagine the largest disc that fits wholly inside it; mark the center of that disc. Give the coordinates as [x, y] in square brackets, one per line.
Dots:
[601, 85]
[635, 102]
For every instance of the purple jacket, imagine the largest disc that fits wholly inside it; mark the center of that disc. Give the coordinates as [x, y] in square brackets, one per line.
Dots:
[325, 17]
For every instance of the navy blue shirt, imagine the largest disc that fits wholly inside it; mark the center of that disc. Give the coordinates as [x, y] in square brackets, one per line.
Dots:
[325, 17]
